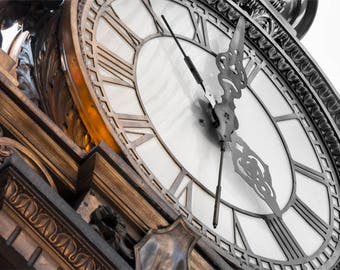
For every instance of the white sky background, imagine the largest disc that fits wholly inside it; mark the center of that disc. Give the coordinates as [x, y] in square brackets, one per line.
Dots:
[323, 40]
[8, 36]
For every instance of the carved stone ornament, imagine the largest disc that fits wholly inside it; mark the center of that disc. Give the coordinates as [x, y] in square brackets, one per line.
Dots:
[48, 227]
[72, 243]
[111, 227]
[167, 248]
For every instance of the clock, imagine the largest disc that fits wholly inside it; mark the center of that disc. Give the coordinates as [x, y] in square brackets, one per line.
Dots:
[136, 92]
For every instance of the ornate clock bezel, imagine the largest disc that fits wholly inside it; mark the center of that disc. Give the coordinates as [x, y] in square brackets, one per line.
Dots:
[264, 32]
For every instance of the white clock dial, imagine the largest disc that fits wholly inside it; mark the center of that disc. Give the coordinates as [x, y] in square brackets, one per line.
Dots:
[174, 104]
[157, 114]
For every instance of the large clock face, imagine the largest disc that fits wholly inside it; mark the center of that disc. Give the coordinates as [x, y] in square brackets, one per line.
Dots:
[157, 114]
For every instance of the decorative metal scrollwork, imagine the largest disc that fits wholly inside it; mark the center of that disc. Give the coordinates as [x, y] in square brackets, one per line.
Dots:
[254, 171]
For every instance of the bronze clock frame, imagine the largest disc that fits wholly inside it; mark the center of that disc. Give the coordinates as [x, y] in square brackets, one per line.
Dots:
[266, 33]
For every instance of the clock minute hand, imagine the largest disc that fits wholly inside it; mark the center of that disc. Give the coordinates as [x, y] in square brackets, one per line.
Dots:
[253, 171]
[218, 187]
[191, 65]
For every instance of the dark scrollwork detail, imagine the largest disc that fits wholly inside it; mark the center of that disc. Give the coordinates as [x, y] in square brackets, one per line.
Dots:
[111, 227]
[51, 229]
[25, 71]
[266, 22]
[260, 15]
[278, 4]
[254, 171]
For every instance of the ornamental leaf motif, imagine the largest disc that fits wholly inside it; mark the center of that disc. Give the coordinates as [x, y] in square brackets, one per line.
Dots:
[26, 205]
[84, 262]
[66, 245]
[61, 239]
[46, 225]
[12, 190]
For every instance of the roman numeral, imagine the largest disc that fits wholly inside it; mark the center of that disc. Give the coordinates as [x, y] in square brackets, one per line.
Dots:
[158, 23]
[285, 117]
[239, 234]
[137, 125]
[127, 34]
[285, 238]
[199, 21]
[252, 68]
[134, 121]
[183, 186]
[311, 217]
[310, 173]
[122, 72]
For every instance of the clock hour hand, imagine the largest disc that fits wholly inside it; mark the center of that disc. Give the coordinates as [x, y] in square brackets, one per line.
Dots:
[253, 171]
[232, 76]
[191, 66]
[233, 79]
